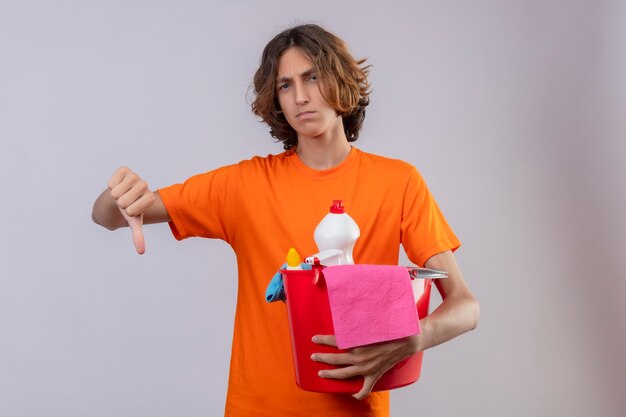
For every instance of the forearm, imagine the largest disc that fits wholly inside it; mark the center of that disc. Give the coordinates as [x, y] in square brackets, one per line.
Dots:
[459, 311]
[455, 316]
[106, 213]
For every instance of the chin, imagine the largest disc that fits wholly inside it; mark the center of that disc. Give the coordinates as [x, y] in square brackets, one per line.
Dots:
[313, 134]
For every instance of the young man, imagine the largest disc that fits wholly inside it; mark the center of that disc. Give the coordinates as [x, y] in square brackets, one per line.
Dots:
[313, 94]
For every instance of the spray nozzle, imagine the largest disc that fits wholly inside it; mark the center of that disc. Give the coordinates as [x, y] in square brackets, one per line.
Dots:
[337, 207]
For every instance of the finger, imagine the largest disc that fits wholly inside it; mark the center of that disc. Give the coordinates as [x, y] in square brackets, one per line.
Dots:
[334, 358]
[132, 195]
[328, 340]
[135, 224]
[340, 373]
[368, 385]
[140, 205]
[121, 188]
[118, 177]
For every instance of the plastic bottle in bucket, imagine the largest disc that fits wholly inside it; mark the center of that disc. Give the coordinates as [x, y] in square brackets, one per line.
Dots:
[293, 260]
[335, 237]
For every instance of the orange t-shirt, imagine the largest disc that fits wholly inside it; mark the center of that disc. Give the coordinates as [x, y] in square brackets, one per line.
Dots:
[264, 206]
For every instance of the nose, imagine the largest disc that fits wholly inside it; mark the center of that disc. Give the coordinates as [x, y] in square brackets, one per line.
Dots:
[302, 96]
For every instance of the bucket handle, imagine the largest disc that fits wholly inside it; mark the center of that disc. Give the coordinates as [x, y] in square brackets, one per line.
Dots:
[414, 272]
[425, 273]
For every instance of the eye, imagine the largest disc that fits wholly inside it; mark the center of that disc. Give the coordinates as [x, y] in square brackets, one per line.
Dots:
[313, 77]
[283, 86]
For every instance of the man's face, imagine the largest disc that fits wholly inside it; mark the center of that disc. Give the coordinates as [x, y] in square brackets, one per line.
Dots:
[298, 90]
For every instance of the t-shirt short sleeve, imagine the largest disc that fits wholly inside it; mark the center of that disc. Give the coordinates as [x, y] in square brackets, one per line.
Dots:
[425, 231]
[203, 205]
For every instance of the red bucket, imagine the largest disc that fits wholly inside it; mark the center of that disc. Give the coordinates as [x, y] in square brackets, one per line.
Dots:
[309, 314]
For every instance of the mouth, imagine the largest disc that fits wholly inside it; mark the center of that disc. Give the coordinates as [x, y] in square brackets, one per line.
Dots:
[304, 114]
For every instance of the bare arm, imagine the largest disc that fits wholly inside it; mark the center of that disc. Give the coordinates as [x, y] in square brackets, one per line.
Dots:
[128, 201]
[459, 311]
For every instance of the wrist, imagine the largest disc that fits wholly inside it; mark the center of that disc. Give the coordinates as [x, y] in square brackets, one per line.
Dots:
[414, 344]
[420, 340]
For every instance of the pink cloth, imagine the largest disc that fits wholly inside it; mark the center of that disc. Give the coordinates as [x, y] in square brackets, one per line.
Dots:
[370, 303]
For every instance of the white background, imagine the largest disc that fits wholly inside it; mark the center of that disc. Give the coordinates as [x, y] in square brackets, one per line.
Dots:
[513, 111]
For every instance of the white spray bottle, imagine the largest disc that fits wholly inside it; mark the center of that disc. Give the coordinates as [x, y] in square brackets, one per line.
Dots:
[335, 237]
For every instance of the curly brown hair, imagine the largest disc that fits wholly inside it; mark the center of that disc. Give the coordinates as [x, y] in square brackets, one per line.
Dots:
[344, 78]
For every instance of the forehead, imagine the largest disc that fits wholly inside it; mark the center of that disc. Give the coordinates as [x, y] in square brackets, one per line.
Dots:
[292, 62]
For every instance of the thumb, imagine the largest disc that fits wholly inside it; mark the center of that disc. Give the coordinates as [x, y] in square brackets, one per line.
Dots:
[368, 385]
[135, 224]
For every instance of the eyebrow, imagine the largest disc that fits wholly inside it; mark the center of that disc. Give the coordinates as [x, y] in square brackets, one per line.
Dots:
[302, 75]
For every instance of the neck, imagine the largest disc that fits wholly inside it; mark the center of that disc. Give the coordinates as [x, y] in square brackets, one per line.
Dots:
[326, 150]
